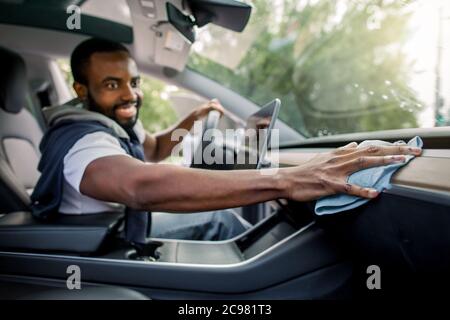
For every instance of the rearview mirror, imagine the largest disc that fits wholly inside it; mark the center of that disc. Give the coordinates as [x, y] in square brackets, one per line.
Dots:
[183, 23]
[229, 14]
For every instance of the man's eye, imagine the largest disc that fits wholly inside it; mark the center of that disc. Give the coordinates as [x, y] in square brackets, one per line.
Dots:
[112, 85]
[135, 84]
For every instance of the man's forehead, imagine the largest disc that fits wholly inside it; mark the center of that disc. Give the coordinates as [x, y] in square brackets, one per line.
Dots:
[112, 64]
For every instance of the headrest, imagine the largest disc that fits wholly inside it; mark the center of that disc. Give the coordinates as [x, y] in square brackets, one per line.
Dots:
[13, 83]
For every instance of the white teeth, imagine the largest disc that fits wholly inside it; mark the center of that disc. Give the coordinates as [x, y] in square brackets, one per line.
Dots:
[127, 106]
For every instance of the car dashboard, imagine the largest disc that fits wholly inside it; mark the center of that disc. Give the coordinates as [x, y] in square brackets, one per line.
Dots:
[290, 254]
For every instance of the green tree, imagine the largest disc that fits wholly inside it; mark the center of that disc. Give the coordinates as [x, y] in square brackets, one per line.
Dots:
[156, 113]
[337, 66]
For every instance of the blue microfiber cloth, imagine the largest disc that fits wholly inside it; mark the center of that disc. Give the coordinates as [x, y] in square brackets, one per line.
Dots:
[377, 178]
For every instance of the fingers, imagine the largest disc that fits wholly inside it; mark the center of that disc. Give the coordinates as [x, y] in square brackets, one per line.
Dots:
[351, 145]
[398, 149]
[369, 162]
[214, 104]
[358, 191]
[348, 148]
[352, 189]
[203, 110]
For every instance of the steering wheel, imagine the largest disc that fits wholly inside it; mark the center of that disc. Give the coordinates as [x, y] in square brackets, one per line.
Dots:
[206, 139]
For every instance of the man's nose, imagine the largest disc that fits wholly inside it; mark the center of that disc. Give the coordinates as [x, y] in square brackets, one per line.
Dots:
[128, 93]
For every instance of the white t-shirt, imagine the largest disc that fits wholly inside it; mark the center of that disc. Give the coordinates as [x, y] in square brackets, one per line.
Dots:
[92, 146]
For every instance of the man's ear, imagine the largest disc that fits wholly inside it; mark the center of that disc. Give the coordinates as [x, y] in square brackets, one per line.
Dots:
[81, 90]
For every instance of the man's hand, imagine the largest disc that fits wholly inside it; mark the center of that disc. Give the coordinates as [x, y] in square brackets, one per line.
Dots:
[157, 147]
[327, 173]
[203, 110]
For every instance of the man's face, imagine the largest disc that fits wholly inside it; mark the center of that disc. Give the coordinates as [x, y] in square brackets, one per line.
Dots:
[113, 87]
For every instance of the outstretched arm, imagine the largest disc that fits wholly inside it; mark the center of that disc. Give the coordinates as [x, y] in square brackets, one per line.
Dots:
[163, 187]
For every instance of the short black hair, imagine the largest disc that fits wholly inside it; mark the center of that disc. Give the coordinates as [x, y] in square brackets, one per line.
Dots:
[80, 56]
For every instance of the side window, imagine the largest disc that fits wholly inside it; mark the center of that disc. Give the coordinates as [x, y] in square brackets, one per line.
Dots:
[64, 67]
[157, 111]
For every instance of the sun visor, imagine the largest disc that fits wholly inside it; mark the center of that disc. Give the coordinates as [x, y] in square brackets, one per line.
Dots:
[164, 31]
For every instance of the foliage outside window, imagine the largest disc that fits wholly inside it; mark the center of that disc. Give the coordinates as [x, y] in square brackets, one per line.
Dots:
[338, 66]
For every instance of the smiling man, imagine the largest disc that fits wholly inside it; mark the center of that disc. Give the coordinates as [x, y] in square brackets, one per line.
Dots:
[97, 157]
[107, 84]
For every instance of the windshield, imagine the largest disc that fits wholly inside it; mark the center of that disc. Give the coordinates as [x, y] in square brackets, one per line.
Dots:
[338, 66]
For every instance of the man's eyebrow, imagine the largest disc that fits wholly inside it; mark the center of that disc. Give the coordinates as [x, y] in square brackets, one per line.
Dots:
[111, 79]
[136, 78]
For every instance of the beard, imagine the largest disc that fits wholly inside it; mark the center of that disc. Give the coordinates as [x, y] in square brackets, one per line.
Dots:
[92, 105]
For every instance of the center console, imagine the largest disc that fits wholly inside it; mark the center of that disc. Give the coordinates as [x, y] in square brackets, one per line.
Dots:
[257, 240]
[285, 255]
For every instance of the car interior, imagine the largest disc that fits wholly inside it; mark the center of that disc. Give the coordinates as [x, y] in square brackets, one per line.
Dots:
[289, 253]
